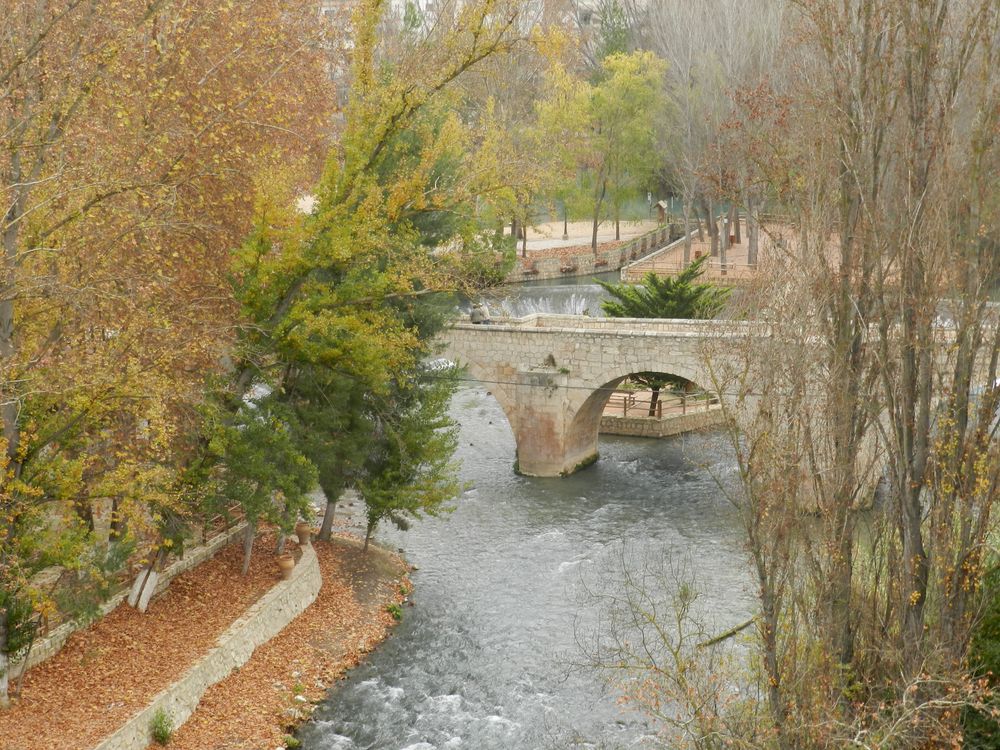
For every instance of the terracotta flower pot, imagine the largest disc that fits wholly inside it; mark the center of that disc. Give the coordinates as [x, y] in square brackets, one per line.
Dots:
[285, 564]
[303, 531]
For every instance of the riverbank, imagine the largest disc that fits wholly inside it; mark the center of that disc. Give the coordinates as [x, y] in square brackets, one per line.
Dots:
[110, 671]
[261, 704]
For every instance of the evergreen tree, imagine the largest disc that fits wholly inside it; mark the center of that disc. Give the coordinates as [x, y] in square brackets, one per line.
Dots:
[681, 296]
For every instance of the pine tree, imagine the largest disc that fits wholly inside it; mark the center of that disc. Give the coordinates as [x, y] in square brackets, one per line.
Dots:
[680, 296]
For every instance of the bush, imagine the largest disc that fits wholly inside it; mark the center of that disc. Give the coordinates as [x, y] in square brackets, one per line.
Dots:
[161, 727]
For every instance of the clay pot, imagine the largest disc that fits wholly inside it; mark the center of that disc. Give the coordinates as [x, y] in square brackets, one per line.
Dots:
[303, 531]
[286, 563]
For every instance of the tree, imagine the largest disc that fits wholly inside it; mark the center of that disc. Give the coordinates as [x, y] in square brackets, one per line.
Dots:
[615, 122]
[341, 306]
[905, 369]
[409, 472]
[132, 138]
[714, 50]
[265, 473]
[862, 389]
[679, 296]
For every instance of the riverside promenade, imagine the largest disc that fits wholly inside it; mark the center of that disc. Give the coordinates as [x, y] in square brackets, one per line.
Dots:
[545, 255]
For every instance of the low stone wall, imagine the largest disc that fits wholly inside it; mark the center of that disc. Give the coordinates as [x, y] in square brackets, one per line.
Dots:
[261, 622]
[50, 645]
[654, 427]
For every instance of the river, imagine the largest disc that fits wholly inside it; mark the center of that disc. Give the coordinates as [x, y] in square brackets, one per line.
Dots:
[489, 656]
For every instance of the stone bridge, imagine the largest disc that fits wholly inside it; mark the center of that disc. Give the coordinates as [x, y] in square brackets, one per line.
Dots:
[553, 374]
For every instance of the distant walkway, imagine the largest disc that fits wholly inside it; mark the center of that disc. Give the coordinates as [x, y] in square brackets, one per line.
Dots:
[563, 258]
[549, 235]
[734, 269]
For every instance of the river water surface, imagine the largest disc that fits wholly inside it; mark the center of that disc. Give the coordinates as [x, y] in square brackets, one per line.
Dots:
[488, 656]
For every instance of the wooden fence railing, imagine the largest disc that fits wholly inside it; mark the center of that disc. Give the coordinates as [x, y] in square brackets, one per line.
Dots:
[630, 403]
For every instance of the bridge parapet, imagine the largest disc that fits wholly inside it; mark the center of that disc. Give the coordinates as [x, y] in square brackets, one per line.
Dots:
[582, 324]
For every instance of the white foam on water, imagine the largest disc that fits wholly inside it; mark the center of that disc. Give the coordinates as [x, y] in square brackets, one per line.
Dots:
[450, 703]
[334, 741]
[502, 722]
[552, 534]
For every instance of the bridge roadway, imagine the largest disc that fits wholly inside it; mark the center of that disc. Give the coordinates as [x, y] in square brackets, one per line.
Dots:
[553, 374]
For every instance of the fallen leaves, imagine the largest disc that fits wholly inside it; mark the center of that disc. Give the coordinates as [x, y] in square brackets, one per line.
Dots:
[109, 671]
[255, 706]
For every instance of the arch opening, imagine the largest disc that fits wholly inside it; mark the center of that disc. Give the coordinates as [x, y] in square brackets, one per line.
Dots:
[643, 403]
[502, 392]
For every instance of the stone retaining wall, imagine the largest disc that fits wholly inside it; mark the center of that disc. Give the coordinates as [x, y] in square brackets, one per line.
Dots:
[654, 427]
[261, 622]
[610, 257]
[49, 646]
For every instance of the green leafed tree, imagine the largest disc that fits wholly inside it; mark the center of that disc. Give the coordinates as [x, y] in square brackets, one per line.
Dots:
[410, 472]
[680, 296]
[265, 473]
[341, 305]
[615, 124]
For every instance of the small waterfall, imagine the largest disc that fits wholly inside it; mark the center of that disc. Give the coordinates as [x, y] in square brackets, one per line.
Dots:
[575, 299]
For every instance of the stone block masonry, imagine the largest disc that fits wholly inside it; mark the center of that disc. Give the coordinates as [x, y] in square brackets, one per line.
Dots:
[553, 374]
[653, 427]
[261, 622]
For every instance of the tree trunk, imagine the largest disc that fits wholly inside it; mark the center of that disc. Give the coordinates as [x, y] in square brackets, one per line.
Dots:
[524, 243]
[769, 636]
[618, 226]
[4, 659]
[597, 216]
[753, 231]
[326, 529]
[249, 533]
[368, 536]
[118, 525]
[736, 226]
[9, 403]
[726, 231]
[713, 226]
[687, 233]
[280, 546]
[652, 401]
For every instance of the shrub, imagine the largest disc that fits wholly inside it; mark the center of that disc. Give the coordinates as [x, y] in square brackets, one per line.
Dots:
[161, 727]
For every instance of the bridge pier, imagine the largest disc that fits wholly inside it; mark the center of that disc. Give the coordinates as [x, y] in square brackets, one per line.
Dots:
[547, 445]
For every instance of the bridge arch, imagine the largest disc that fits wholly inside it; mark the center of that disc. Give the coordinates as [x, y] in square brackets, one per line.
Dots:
[549, 375]
[501, 390]
[584, 428]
